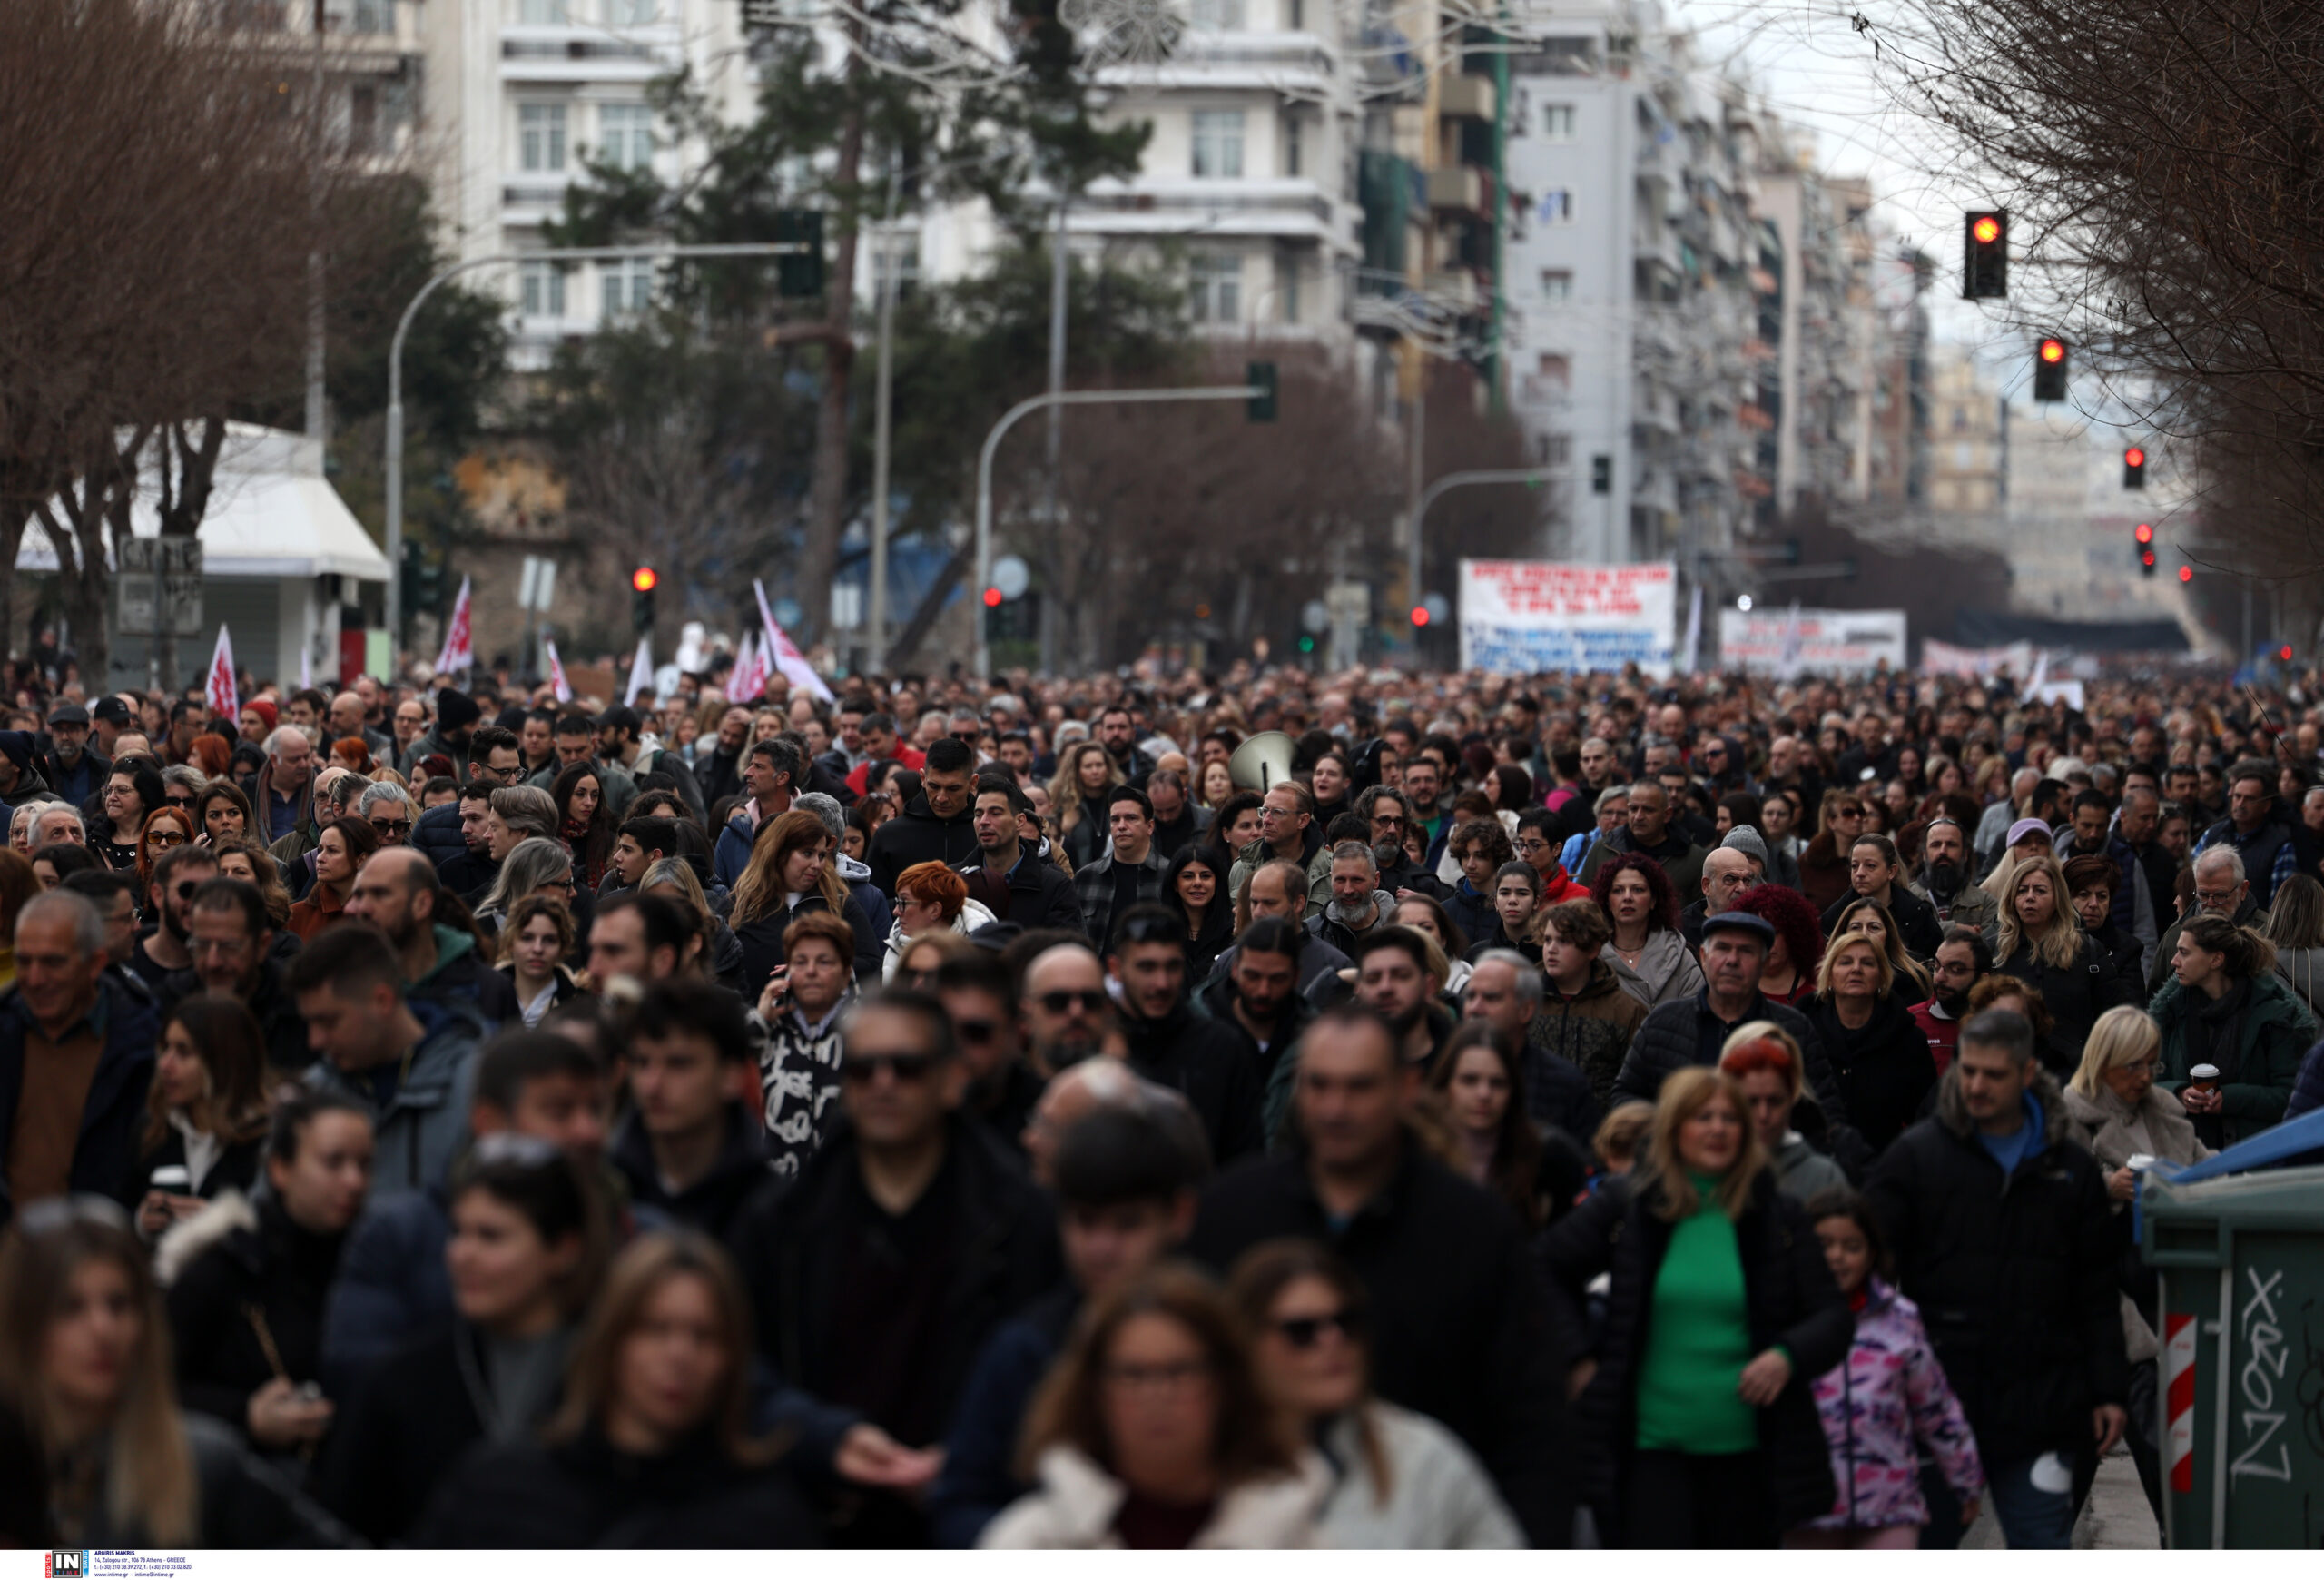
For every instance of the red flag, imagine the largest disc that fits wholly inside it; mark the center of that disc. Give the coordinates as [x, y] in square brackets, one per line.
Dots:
[459, 648]
[557, 683]
[223, 700]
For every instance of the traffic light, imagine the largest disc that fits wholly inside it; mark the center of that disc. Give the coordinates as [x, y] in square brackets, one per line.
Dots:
[2145, 536]
[1601, 474]
[2283, 654]
[2146, 562]
[1420, 616]
[642, 583]
[800, 273]
[2050, 369]
[1261, 377]
[1985, 266]
[1008, 619]
[2186, 573]
[2134, 468]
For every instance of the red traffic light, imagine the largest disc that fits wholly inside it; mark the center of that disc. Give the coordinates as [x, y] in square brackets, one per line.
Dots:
[2053, 350]
[1420, 616]
[2284, 652]
[992, 597]
[2186, 573]
[643, 579]
[2134, 456]
[2145, 533]
[2146, 558]
[1987, 229]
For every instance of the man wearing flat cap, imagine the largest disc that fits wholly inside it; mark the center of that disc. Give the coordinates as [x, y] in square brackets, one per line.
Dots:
[72, 769]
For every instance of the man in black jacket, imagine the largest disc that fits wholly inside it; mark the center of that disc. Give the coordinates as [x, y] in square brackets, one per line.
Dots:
[1463, 1326]
[719, 771]
[909, 1238]
[232, 945]
[1007, 876]
[1691, 1030]
[73, 768]
[690, 1148]
[937, 826]
[1169, 1045]
[2003, 1233]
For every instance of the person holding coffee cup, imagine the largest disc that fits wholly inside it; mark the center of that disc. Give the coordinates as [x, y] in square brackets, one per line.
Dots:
[2232, 1031]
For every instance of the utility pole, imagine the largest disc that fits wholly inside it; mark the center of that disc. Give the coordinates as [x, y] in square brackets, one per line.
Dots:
[1060, 281]
[316, 416]
[883, 434]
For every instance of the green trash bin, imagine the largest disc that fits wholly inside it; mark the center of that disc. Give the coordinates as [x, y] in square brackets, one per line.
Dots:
[2242, 1390]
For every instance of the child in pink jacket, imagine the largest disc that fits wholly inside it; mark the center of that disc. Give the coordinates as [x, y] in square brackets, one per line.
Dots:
[1888, 1392]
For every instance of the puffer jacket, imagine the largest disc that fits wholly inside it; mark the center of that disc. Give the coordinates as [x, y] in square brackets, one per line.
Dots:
[1591, 1030]
[1666, 968]
[1887, 1396]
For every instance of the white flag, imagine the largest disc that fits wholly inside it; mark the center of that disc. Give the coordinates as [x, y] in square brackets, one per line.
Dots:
[1692, 650]
[641, 670]
[562, 687]
[306, 667]
[460, 645]
[785, 654]
[224, 702]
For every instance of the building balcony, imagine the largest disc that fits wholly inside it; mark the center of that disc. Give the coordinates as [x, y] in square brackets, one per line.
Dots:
[1298, 65]
[1459, 189]
[1286, 208]
[1466, 98]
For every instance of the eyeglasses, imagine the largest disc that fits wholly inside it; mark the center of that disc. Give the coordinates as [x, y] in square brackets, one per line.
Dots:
[865, 1068]
[1532, 844]
[1307, 1332]
[390, 827]
[1087, 1000]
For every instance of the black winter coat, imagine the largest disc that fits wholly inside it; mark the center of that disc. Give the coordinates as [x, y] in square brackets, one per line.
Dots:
[1884, 1069]
[259, 1268]
[717, 1203]
[2014, 1277]
[276, 1011]
[1040, 895]
[1464, 1328]
[1791, 1299]
[1915, 919]
[1209, 1064]
[918, 835]
[762, 943]
[2075, 997]
[588, 1494]
[1673, 1036]
[792, 1251]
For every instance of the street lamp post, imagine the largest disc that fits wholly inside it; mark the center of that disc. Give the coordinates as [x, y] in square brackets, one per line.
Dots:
[1027, 407]
[395, 371]
[1446, 485]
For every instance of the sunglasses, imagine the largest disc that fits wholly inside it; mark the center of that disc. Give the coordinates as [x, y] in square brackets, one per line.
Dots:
[1307, 1332]
[184, 801]
[390, 827]
[865, 1068]
[165, 837]
[1089, 1000]
[977, 1032]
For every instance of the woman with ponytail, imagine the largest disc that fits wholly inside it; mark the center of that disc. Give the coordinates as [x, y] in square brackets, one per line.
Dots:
[2225, 1008]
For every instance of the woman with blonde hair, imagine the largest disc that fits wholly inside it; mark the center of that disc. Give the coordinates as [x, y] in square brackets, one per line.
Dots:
[1085, 772]
[86, 1366]
[652, 1448]
[2039, 941]
[1871, 919]
[1720, 1313]
[1879, 1053]
[1403, 1482]
[1153, 1431]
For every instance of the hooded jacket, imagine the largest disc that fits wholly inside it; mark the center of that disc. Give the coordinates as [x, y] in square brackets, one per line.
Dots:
[2013, 1274]
[1075, 1505]
[1333, 925]
[233, 1269]
[424, 1123]
[460, 976]
[918, 835]
[1878, 1406]
[1590, 1031]
[1666, 968]
[1789, 1301]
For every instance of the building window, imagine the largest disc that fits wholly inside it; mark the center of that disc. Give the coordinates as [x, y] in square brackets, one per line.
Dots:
[1552, 449]
[1555, 369]
[1216, 16]
[544, 291]
[630, 12]
[628, 286]
[1557, 285]
[545, 12]
[1215, 287]
[626, 133]
[1287, 288]
[1291, 145]
[1557, 206]
[902, 255]
[375, 16]
[1557, 122]
[541, 136]
[1219, 143]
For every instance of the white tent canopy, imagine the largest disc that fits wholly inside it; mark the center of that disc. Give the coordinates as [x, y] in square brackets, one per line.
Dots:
[272, 515]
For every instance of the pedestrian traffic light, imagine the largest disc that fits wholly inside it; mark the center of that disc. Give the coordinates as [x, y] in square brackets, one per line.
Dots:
[1261, 377]
[800, 273]
[2050, 369]
[1984, 267]
[642, 583]
[2134, 468]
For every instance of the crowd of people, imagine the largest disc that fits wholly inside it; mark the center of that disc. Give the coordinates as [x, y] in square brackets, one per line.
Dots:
[1573, 1109]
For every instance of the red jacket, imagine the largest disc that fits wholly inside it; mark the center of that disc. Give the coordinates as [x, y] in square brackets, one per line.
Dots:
[910, 758]
[1560, 888]
[1943, 1033]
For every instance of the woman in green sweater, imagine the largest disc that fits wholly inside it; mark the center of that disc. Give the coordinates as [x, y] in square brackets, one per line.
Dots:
[1720, 1314]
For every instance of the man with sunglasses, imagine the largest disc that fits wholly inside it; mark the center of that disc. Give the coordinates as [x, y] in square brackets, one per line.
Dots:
[161, 952]
[974, 989]
[905, 1243]
[1463, 1326]
[1065, 1008]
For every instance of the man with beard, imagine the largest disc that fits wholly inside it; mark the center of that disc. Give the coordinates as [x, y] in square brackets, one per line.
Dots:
[1009, 877]
[1945, 874]
[1649, 832]
[71, 768]
[2088, 835]
[720, 769]
[168, 899]
[1961, 962]
[1391, 980]
[1358, 905]
[1002, 1092]
[1387, 811]
[1259, 996]
[2154, 871]
[1196, 1057]
[455, 727]
[229, 938]
[1117, 733]
[395, 891]
[1064, 1008]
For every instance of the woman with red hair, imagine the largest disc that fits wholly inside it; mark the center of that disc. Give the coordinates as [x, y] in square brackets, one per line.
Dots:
[165, 828]
[1789, 975]
[1761, 1058]
[1648, 952]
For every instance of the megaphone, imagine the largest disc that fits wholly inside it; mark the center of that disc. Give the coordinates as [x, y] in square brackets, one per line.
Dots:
[1263, 762]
